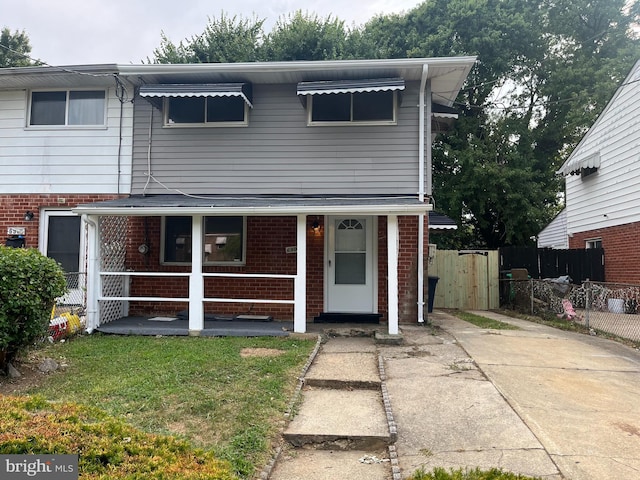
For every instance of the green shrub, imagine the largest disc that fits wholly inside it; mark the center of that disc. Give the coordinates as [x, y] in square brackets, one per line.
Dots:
[29, 285]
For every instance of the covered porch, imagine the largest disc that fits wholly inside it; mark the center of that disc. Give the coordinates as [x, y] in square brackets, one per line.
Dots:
[289, 276]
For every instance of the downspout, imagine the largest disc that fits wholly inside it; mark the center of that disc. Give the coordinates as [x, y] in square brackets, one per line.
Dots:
[421, 177]
[93, 275]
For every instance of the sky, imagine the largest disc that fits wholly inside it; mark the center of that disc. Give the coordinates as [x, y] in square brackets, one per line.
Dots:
[79, 32]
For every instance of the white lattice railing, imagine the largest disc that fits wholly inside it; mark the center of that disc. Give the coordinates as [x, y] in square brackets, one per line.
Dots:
[112, 241]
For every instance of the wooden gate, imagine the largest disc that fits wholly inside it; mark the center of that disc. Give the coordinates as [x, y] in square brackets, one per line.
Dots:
[468, 279]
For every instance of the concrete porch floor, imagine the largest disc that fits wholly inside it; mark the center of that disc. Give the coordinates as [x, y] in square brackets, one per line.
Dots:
[138, 325]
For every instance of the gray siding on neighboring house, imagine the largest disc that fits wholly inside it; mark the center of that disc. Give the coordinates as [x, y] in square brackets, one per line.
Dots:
[278, 153]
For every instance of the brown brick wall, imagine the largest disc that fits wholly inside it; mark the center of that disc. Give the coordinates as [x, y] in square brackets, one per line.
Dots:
[621, 251]
[13, 208]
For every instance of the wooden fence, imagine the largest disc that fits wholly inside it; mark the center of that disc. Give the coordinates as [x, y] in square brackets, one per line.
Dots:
[468, 280]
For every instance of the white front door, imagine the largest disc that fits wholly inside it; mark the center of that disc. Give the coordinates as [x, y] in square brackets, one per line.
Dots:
[350, 265]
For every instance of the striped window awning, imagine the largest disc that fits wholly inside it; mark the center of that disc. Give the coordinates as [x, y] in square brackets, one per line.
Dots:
[350, 86]
[574, 165]
[160, 91]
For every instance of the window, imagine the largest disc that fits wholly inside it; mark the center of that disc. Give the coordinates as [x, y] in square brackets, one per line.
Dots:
[211, 111]
[223, 240]
[588, 171]
[593, 243]
[361, 107]
[67, 107]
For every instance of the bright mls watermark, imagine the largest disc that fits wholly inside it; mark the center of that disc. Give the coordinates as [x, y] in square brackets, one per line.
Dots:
[46, 467]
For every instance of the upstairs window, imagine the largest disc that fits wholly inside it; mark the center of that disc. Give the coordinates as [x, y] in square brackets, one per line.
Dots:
[201, 104]
[67, 108]
[353, 107]
[365, 102]
[206, 111]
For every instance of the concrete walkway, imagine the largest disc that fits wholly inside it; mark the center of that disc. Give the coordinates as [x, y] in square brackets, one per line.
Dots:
[535, 401]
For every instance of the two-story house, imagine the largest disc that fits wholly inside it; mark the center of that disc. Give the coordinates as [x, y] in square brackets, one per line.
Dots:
[603, 184]
[286, 190]
[65, 139]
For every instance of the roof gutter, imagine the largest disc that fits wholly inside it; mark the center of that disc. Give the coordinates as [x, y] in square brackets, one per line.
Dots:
[416, 209]
[296, 66]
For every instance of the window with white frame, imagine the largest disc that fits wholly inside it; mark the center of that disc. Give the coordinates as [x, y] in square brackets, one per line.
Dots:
[593, 243]
[67, 108]
[358, 107]
[223, 242]
[207, 111]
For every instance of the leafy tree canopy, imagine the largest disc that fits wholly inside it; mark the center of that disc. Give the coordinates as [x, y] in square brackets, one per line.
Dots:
[14, 49]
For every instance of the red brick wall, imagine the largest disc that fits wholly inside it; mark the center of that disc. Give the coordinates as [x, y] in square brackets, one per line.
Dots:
[621, 251]
[267, 238]
[315, 267]
[13, 208]
[408, 267]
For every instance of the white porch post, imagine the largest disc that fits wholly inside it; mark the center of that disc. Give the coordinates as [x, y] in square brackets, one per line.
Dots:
[94, 283]
[300, 288]
[196, 281]
[392, 266]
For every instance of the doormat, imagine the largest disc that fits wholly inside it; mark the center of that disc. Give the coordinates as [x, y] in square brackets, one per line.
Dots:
[162, 319]
[326, 317]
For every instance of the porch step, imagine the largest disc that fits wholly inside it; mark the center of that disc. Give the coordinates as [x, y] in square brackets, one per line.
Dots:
[344, 370]
[346, 317]
[340, 420]
[343, 407]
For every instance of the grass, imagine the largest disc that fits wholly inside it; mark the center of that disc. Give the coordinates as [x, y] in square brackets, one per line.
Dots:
[460, 474]
[484, 322]
[200, 389]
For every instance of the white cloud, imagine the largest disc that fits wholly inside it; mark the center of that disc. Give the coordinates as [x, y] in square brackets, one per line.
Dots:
[72, 32]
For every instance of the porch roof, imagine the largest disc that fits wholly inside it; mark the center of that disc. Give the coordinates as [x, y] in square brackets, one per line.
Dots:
[156, 205]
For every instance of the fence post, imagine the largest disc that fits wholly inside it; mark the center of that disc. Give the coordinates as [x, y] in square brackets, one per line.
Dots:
[587, 301]
[531, 285]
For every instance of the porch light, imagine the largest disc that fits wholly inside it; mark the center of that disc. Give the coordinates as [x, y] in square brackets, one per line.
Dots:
[28, 216]
[315, 226]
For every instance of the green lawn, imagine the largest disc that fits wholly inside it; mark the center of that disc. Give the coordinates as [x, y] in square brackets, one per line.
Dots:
[210, 391]
[484, 322]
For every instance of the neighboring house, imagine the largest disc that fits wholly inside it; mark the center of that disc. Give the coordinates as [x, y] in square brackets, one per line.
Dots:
[554, 235]
[603, 185]
[284, 190]
[65, 139]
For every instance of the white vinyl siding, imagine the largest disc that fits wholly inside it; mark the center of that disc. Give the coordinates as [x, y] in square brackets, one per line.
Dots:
[609, 197]
[63, 160]
[554, 235]
[278, 153]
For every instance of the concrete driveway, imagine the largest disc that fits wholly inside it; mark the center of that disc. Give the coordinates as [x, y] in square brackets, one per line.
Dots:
[536, 401]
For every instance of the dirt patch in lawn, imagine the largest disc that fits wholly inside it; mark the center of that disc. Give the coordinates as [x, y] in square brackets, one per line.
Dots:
[260, 352]
[30, 377]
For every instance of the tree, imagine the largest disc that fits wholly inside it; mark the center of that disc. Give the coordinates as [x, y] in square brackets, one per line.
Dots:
[307, 37]
[14, 49]
[545, 70]
[224, 40]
